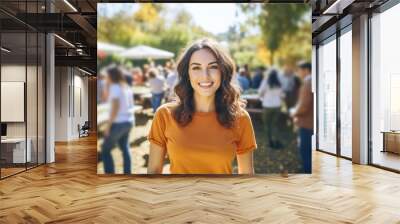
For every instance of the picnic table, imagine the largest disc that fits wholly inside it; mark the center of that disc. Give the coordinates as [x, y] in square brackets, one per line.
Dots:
[140, 90]
[253, 102]
[142, 95]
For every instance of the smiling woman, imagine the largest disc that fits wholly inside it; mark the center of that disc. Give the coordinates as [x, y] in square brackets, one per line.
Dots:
[207, 128]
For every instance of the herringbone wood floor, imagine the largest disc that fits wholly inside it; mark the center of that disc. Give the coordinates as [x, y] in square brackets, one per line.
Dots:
[69, 191]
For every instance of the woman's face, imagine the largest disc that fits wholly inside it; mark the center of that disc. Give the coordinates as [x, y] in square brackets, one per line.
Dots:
[204, 73]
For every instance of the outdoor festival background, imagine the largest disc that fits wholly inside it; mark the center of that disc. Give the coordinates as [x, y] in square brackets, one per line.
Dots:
[259, 37]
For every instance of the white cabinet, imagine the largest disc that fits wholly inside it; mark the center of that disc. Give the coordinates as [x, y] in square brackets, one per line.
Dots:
[18, 149]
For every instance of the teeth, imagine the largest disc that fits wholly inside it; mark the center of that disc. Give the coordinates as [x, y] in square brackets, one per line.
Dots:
[205, 84]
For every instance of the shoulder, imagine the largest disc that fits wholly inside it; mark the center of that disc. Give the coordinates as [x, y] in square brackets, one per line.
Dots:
[166, 109]
[243, 117]
[243, 123]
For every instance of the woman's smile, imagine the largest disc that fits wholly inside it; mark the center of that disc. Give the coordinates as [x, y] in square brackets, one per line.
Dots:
[206, 84]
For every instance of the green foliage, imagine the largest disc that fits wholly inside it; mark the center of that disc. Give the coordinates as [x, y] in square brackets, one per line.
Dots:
[244, 51]
[283, 28]
[278, 20]
[174, 39]
[147, 26]
[297, 46]
[183, 17]
[285, 32]
[118, 29]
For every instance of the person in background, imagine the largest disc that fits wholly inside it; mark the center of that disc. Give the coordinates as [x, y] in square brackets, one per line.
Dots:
[303, 115]
[146, 68]
[101, 86]
[172, 80]
[157, 87]
[152, 64]
[121, 121]
[243, 81]
[161, 71]
[247, 73]
[271, 94]
[290, 85]
[137, 76]
[258, 77]
[128, 77]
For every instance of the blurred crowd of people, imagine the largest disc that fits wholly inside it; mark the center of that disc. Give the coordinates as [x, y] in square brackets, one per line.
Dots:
[285, 97]
[161, 81]
[115, 89]
[287, 102]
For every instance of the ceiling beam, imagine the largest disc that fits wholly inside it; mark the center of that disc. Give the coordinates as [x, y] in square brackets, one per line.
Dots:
[79, 61]
[337, 7]
[84, 24]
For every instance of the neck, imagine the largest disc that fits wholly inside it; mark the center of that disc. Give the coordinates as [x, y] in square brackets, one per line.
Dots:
[204, 103]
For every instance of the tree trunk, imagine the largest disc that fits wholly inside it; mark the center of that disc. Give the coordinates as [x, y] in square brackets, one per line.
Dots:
[272, 58]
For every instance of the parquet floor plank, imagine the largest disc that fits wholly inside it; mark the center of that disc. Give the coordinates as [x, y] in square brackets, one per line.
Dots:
[70, 191]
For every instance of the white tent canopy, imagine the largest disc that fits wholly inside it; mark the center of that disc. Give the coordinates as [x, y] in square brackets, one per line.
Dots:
[109, 48]
[145, 52]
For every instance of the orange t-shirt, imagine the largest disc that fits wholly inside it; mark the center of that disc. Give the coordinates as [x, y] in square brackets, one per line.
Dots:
[203, 146]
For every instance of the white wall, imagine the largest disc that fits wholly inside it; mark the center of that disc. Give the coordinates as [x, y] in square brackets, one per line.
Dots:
[80, 101]
[61, 103]
[71, 94]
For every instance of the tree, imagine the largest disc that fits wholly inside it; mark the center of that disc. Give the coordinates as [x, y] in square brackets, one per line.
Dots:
[147, 13]
[278, 20]
[174, 39]
[117, 29]
[183, 17]
[148, 17]
[297, 46]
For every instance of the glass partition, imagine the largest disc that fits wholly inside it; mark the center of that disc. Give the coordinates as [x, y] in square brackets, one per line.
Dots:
[346, 93]
[31, 97]
[22, 90]
[327, 96]
[385, 89]
[13, 89]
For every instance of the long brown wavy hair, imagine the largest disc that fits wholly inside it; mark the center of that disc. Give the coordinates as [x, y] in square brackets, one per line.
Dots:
[227, 102]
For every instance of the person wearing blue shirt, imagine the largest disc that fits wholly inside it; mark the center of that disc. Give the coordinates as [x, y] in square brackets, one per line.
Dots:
[258, 77]
[243, 81]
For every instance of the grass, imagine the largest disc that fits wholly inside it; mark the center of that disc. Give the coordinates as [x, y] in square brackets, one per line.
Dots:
[268, 160]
